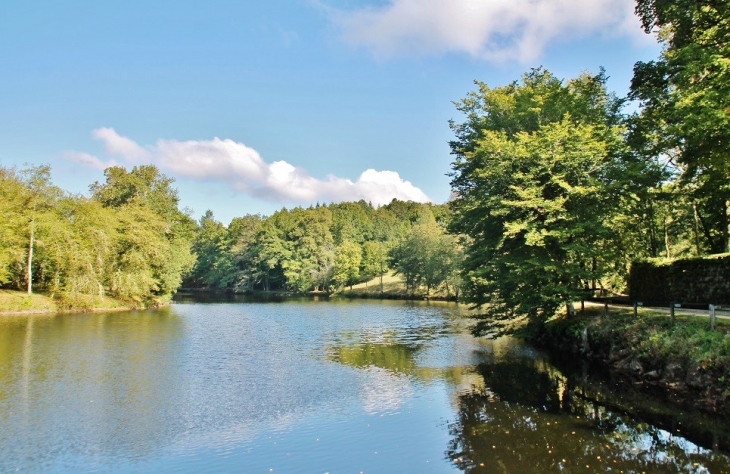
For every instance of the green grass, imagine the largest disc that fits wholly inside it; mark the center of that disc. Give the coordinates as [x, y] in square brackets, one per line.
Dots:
[652, 338]
[393, 286]
[20, 302]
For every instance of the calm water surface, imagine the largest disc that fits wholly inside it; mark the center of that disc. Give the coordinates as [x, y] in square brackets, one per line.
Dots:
[304, 386]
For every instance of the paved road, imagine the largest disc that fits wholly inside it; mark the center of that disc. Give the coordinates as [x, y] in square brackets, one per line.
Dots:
[719, 314]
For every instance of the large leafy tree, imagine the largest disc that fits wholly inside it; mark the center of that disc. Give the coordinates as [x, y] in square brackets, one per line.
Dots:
[685, 99]
[427, 256]
[537, 178]
[244, 247]
[13, 226]
[78, 249]
[348, 256]
[154, 248]
[297, 248]
[211, 252]
[40, 196]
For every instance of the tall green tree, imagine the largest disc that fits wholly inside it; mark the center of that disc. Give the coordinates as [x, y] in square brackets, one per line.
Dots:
[154, 248]
[243, 235]
[537, 183]
[426, 257]
[685, 100]
[12, 225]
[348, 256]
[79, 249]
[40, 197]
[375, 260]
[352, 221]
[210, 249]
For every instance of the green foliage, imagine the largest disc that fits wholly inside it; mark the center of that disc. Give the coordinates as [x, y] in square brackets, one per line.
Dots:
[210, 242]
[12, 225]
[325, 248]
[696, 280]
[154, 247]
[654, 340]
[427, 257]
[685, 99]
[348, 256]
[128, 242]
[352, 221]
[536, 182]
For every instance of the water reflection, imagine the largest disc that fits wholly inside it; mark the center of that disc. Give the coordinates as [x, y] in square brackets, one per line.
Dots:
[58, 373]
[529, 417]
[302, 386]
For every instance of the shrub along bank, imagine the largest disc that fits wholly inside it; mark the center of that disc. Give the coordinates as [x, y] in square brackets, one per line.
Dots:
[687, 362]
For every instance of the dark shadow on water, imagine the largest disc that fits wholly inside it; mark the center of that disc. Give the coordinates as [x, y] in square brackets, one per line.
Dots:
[532, 417]
[192, 298]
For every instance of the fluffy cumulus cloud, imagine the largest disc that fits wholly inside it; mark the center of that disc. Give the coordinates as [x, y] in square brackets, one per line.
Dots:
[489, 29]
[242, 168]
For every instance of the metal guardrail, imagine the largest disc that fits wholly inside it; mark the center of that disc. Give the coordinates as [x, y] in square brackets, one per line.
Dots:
[713, 309]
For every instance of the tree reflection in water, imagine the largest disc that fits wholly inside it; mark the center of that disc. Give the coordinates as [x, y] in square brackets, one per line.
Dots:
[529, 417]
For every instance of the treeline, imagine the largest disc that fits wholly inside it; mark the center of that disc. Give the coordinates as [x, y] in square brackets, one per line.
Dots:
[128, 241]
[328, 247]
[559, 189]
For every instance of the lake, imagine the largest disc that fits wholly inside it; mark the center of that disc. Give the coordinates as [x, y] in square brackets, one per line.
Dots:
[317, 386]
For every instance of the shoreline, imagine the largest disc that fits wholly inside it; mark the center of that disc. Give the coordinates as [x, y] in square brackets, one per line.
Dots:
[51, 312]
[200, 291]
[621, 347]
[19, 303]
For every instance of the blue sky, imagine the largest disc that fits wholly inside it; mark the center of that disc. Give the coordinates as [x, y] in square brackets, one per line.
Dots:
[252, 106]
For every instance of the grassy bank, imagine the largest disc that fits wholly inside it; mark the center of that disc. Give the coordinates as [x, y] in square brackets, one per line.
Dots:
[19, 302]
[686, 361]
[393, 288]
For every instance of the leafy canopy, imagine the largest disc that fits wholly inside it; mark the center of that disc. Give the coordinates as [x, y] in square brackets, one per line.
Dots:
[535, 179]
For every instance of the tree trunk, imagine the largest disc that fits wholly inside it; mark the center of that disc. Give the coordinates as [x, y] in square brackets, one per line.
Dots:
[697, 230]
[29, 273]
[652, 232]
[706, 231]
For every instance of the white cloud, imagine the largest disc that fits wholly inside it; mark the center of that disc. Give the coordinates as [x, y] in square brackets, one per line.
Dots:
[89, 160]
[242, 168]
[489, 29]
[119, 145]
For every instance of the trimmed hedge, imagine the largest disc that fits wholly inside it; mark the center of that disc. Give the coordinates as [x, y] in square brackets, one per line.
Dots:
[695, 280]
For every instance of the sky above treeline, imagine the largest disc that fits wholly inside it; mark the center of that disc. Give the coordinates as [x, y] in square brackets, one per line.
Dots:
[255, 106]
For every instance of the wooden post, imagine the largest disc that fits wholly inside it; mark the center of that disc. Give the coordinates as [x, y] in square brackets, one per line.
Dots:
[605, 308]
[582, 306]
[636, 309]
[712, 316]
[671, 313]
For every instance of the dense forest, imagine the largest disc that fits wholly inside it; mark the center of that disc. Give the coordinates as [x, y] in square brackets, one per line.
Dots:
[556, 190]
[327, 247]
[130, 241]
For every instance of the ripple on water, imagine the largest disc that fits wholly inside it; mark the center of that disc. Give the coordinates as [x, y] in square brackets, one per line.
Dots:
[296, 386]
